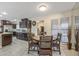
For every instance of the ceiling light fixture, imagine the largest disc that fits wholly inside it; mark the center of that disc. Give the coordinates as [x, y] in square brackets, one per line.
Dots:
[42, 7]
[4, 13]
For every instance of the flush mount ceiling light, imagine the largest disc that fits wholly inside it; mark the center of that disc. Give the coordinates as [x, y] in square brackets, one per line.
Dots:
[42, 7]
[4, 13]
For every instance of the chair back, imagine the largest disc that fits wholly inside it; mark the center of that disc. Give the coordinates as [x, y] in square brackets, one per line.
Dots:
[59, 37]
[46, 38]
[45, 41]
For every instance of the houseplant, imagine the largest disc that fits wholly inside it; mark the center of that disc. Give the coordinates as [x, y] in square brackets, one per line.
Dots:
[69, 39]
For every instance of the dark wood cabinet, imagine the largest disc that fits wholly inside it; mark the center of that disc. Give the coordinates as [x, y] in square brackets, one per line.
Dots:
[6, 36]
[14, 26]
[25, 23]
[6, 39]
[1, 29]
[6, 22]
[21, 36]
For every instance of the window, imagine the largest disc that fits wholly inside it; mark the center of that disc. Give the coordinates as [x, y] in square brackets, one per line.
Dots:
[55, 28]
[64, 28]
[60, 28]
[77, 21]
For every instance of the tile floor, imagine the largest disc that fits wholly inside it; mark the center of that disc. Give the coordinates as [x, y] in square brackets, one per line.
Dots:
[20, 48]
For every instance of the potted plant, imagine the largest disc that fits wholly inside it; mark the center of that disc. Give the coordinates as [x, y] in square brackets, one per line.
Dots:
[69, 39]
[76, 37]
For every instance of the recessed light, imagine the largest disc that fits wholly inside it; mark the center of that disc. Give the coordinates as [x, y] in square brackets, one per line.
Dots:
[4, 13]
[0, 15]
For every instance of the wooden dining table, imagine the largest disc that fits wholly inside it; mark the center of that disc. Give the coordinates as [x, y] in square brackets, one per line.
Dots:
[36, 38]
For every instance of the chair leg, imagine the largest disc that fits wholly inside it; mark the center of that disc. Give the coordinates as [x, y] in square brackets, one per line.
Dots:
[28, 52]
[59, 50]
[38, 52]
[38, 49]
[50, 54]
[60, 53]
[28, 49]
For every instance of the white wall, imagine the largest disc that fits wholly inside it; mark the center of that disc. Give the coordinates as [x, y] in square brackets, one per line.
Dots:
[17, 24]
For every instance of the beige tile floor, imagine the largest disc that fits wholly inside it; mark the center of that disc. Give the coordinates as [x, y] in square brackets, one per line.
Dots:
[20, 48]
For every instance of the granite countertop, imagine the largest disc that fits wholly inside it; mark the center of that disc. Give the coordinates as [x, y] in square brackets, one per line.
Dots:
[5, 33]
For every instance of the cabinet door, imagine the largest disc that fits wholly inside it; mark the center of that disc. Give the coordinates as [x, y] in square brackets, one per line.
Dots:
[6, 39]
[14, 26]
[23, 24]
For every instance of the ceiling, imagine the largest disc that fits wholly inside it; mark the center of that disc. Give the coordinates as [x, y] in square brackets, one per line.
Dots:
[19, 10]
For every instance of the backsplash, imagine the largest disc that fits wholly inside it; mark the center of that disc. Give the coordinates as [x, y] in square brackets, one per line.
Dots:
[24, 30]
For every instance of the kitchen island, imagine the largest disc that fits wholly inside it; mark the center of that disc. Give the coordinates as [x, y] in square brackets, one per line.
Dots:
[5, 39]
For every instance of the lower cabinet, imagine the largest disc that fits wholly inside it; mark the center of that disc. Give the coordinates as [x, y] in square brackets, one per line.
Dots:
[6, 39]
[21, 36]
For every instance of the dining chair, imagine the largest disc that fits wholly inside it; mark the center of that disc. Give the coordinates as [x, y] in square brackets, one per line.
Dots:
[45, 45]
[32, 44]
[56, 43]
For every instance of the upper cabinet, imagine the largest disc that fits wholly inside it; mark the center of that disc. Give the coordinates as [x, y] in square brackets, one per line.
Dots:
[0, 23]
[22, 25]
[1, 28]
[25, 23]
[14, 26]
[6, 22]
